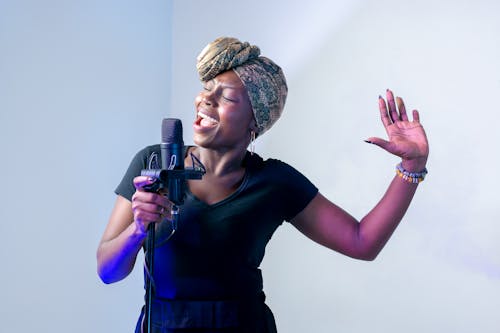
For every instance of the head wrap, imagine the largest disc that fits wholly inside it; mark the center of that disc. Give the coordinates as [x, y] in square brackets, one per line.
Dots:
[263, 79]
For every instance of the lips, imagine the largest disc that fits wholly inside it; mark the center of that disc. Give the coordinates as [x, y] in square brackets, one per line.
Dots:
[205, 120]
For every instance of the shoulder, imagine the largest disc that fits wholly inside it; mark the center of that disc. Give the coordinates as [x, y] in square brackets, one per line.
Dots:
[256, 162]
[273, 169]
[286, 187]
[147, 157]
[143, 159]
[148, 150]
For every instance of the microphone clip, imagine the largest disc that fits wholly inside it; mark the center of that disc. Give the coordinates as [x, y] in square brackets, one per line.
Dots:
[174, 180]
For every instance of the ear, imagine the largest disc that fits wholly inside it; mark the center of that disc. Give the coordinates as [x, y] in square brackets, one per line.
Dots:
[253, 127]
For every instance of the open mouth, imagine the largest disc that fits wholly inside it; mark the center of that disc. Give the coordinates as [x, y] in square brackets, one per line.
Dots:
[206, 120]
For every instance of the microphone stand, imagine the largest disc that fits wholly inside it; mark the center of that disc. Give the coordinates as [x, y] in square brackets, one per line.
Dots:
[150, 246]
[162, 177]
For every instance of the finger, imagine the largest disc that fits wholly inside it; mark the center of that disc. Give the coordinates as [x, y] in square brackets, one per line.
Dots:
[384, 144]
[141, 181]
[146, 207]
[151, 198]
[146, 212]
[416, 116]
[383, 112]
[402, 109]
[393, 112]
[165, 211]
[145, 218]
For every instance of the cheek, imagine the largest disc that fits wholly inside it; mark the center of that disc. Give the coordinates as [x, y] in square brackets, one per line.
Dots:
[238, 117]
[198, 99]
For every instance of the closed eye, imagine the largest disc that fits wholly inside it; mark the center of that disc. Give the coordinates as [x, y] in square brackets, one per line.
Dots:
[229, 99]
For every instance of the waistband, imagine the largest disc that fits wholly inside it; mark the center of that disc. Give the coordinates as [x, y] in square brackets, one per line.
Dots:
[168, 314]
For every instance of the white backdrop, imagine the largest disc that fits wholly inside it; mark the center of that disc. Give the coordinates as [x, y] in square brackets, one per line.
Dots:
[84, 85]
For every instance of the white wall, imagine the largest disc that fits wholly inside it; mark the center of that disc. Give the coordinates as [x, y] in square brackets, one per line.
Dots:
[84, 84]
[441, 270]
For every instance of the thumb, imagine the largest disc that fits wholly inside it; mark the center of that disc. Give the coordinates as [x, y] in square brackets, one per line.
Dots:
[384, 144]
[141, 181]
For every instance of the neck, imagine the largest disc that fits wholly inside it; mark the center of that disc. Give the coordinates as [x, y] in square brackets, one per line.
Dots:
[221, 162]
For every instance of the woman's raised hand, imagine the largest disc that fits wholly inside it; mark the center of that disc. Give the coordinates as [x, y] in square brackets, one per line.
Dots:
[407, 138]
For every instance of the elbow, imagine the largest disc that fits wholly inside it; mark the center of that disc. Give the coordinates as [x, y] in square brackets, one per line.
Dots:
[366, 252]
[366, 248]
[101, 271]
[371, 253]
[368, 256]
[109, 273]
[104, 278]
[106, 281]
[112, 268]
[107, 276]
[363, 255]
[105, 271]
[103, 275]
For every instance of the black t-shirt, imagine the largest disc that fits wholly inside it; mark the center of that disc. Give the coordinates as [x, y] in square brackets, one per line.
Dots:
[217, 249]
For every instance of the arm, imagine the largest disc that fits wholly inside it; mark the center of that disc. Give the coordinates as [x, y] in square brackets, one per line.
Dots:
[329, 225]
[126, 231]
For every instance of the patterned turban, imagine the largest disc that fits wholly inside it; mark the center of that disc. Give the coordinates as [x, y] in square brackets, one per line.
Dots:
[263, 79]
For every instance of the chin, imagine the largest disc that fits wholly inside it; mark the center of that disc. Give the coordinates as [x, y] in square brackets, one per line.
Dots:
[200, 141]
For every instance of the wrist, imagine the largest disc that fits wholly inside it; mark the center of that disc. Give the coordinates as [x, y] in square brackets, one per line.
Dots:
[138, 231]
[414, 165]
[410, 176]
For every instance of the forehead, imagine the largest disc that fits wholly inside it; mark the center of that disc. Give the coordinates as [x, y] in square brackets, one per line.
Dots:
[230, 79]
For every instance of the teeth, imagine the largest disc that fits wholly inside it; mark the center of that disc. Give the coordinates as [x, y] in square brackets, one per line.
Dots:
[204, 116]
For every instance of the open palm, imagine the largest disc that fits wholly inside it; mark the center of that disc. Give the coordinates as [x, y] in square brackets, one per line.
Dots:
[406, 138]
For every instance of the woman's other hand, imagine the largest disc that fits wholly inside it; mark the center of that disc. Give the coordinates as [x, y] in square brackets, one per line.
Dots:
[407, 138]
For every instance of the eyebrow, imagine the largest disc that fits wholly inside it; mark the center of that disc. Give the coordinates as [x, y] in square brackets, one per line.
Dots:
[227, 85]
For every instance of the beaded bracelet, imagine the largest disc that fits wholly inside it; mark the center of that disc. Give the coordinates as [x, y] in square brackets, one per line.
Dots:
[411, 177]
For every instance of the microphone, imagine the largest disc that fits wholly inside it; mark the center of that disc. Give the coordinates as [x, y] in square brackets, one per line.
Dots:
[172, 158]
[172, 176]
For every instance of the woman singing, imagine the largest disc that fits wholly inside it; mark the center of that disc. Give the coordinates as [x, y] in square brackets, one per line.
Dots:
[206, 276]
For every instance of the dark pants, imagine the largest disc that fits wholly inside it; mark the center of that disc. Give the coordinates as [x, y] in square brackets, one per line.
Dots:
[250, 315]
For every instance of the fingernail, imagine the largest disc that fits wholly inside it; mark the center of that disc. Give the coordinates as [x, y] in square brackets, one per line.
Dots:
[380, 96]
[367, 141]
[150, 179]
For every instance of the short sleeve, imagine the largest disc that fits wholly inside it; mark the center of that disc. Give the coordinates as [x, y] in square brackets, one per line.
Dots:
[293, 190]
[140, 161]
[298, 191]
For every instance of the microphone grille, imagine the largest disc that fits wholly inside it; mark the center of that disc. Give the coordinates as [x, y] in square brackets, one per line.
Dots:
[171, 130]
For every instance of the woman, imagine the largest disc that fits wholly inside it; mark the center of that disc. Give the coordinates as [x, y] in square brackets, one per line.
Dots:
[206, 276]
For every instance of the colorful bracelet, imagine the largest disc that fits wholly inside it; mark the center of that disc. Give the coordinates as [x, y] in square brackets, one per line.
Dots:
[411, 177]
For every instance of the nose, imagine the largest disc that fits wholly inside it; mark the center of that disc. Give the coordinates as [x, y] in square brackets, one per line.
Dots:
[208, 98]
